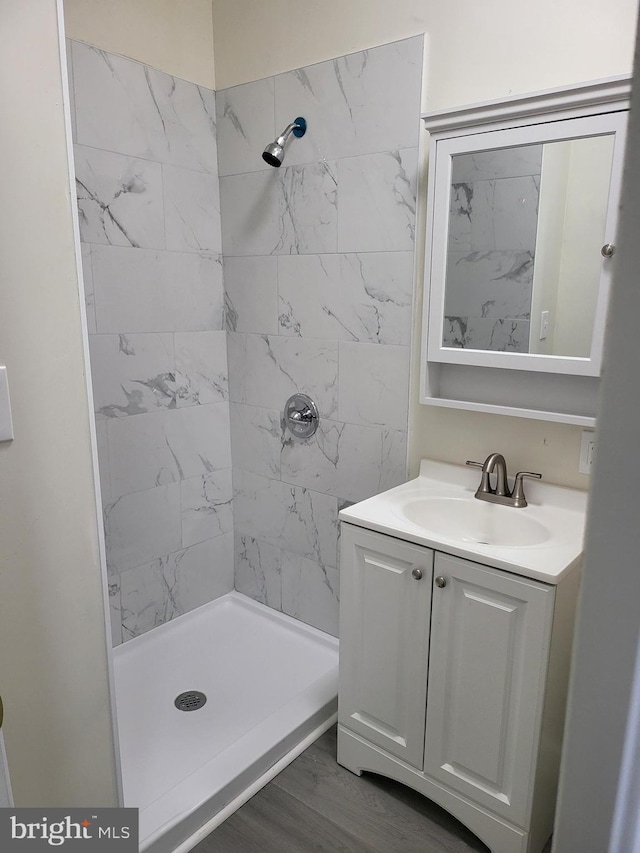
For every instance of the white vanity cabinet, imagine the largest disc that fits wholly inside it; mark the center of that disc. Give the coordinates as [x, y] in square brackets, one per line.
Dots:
[386, 599]
[453, 681]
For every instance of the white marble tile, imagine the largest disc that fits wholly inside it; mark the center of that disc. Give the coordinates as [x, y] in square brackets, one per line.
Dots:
[258, 506]
[148, 597]
[89, 296]
[455, 332]
[460, 212]
[377, 202]
[119, 199]
[487, 333]
[140, 290]
[374, 385]
[265, 370]
[192, 210]
[245, 124]
[308, 209]
[207, 570]
[115, 109]
[167, 446]
[129, 108]
[198, 438]
[497, 163]
[103, 461]
[393, 462]
[354, 297]
[251, 294]
[159, 591]
[142, 526]
[115, 611]
[505, 214]
[306, 297]
[284, 211]
[189, 115]
[256, 439]
[489, 284]
[501, 335]
[116, 85]
[207, 506]
[297, 519]
[310, 592]
[346, 460]
[250, 208]
[310, 524]
[361, 103]
[132, 374]
[257, 571]
[201, 372]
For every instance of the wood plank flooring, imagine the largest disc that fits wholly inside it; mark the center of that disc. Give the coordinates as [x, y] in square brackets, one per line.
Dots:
[316, 806]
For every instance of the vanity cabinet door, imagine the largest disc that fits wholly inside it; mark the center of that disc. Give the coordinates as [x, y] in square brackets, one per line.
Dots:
[490, 639]
[385, 602]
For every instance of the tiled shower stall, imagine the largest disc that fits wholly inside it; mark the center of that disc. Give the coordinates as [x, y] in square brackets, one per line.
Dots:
[193, 357]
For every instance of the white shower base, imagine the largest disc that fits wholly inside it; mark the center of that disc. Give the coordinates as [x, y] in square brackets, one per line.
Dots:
[270, 682]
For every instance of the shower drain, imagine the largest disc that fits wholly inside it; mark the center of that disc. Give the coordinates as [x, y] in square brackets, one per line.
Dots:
[192, 700]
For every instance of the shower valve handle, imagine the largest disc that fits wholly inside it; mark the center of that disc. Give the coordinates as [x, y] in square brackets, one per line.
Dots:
[302, 415]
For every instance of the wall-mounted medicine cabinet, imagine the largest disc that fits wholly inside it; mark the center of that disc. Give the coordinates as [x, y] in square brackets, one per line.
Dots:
[522, 209]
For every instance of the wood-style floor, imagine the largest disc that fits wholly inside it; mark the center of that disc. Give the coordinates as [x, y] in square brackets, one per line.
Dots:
[316, 806]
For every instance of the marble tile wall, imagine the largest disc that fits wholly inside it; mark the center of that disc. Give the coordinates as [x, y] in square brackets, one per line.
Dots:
[149, 211]
[492, 240]
[318, 271]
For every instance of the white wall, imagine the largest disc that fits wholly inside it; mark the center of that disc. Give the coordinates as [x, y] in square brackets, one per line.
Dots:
[476, 51]
[609, 621]
[176, 37]
[53, 658]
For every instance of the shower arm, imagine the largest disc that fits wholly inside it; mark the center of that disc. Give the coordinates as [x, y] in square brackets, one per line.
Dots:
[281, 140]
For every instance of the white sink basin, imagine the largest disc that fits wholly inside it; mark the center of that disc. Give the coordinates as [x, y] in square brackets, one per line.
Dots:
[543, 540]
[471, 520]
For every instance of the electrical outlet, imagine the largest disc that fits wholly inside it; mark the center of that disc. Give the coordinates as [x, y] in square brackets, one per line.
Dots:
[587, 451]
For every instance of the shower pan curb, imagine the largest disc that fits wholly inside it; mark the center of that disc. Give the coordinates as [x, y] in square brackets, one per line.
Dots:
[256, 786]
[170, 837]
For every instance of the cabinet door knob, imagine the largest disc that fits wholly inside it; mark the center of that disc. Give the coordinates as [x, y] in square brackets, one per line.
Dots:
[441, 582]
[416, 573]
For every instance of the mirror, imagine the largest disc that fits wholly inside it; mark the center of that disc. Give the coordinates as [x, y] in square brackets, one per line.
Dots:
[520, 218]
[526, 228]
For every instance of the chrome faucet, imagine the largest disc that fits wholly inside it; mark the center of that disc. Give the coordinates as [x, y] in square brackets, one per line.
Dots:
[501, 494]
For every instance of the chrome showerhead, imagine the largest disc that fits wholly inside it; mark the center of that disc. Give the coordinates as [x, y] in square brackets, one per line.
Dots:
[273, 154]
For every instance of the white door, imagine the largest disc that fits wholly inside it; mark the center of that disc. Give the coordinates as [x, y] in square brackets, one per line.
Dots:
[490, 638]
[385, 602]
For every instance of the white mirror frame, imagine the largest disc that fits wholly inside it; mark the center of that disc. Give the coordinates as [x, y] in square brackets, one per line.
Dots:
[559, 388]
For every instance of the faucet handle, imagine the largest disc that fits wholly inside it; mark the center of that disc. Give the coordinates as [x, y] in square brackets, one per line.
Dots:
[485, 486]
[517, 495]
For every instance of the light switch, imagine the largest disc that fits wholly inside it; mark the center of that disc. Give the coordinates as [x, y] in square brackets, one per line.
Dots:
[6, 424]
[587, 451]
[545, 319]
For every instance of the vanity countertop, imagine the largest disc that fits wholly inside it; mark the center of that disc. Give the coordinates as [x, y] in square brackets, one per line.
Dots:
[543, 540]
